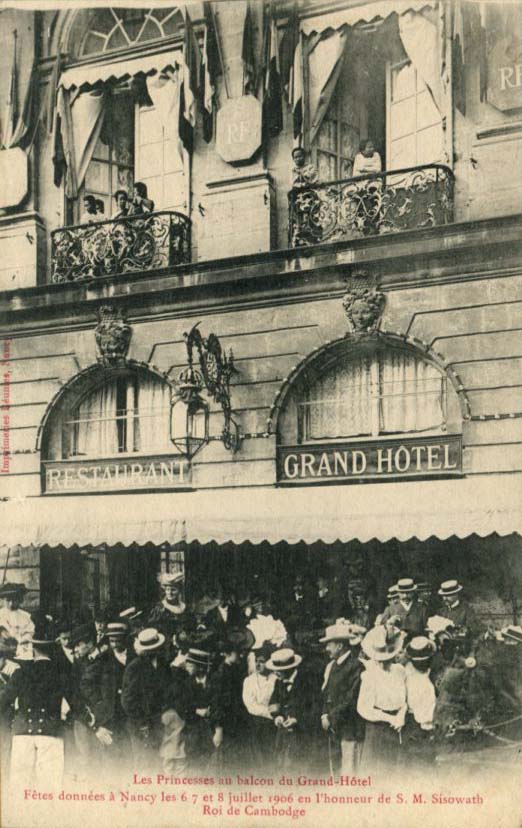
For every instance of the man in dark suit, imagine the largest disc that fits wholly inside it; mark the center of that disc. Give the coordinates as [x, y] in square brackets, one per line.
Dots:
[224, 617]
[294, 709]
[227, 711]
[143, 697]
[409, 614]
[340, 691]
[106, 691]
[456, 609]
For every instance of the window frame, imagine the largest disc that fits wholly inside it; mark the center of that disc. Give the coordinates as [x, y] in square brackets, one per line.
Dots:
[374, 357]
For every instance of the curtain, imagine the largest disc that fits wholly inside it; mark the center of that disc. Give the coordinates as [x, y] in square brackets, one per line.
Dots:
[420, 37]
[81, 117]
[152, 430]
[325, 62]
[163, 90]
[96, 431]
[411, 394]
[339, 404]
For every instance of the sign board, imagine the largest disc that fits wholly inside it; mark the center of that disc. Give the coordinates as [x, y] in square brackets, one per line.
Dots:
[505, 72]
[115, 474]
[238, 129]
[13, 175]
[373, 460]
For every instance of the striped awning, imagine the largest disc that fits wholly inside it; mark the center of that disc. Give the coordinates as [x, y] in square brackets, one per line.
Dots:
[389, 511]
[93, 73]
[362, 15]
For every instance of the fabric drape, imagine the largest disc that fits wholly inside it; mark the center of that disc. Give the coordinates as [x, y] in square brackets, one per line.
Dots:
[411, 394]
[325, 63]
[81, 120]
[339, 404]
[96, 431]
[419, 33]
[153, 423]
[163, 90]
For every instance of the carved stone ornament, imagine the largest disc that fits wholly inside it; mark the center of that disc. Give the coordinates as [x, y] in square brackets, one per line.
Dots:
[364, 307]
[113, 336]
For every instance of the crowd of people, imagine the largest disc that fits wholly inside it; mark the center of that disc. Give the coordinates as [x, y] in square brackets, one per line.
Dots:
[244, 687]
[136, 205]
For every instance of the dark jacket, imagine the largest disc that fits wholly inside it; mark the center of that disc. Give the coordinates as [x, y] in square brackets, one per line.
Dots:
[412, 621]
[40, 689]
[84, 680]
[226, 698]
[463, 615]
[106, 694]
[144, 691]
[340, 699]
[299, 700]
[214, 621]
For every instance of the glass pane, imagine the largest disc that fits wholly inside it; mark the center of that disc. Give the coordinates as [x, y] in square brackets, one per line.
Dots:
[116, 40]
[151, 31]
[403, 82]
[151, 160]
[101, 151]
[411, 393]
[402, 118]
[403, 153]
[339, 404]
[97, 177]
[151, 128]
[427, 112]
[93, 43]
[429, 145]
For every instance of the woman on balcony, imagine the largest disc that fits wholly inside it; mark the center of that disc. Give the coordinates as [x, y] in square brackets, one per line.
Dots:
[368, 162]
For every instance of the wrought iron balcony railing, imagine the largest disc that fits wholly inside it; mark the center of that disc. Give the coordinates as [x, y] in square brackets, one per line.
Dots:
[369, 205]
[122, 245]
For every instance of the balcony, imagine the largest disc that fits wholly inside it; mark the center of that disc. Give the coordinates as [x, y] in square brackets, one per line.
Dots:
[371, 205]
[124, 245]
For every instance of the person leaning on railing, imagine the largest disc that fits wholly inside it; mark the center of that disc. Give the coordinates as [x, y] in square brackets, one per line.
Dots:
[368, 162]
[140, 203]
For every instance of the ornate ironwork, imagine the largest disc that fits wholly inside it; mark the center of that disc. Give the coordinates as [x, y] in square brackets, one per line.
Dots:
[370, 205]
[217, 369]
[113, 336]
[123, 245]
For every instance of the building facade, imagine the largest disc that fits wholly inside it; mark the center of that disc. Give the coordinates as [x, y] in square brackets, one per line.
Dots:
[358, 364]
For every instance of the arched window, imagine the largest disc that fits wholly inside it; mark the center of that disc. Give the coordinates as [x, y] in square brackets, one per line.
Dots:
[365, 391]
[126, 414]
[112, 29]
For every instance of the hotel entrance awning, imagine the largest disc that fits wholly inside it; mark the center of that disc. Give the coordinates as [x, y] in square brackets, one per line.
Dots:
[401, 511]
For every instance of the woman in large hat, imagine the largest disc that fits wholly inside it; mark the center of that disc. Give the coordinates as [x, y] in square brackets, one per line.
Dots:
[382, 698]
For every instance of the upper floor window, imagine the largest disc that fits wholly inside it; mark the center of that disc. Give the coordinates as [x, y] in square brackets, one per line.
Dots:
[128, 414]
[376, 79]
[112, 29]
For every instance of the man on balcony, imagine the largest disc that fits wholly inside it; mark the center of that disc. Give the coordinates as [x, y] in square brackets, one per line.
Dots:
[122, 204]
[140, 203]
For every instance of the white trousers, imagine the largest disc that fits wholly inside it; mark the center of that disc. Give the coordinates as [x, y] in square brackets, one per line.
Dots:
[350, 757]
[37, 762]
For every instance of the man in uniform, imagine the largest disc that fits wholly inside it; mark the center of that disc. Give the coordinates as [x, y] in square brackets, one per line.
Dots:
[39, 689]
[340, 691]
[408, 614]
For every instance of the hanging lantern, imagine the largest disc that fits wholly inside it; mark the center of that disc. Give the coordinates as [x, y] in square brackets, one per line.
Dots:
[189, 415]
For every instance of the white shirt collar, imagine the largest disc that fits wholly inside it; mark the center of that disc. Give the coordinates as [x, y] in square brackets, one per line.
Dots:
[342, 658]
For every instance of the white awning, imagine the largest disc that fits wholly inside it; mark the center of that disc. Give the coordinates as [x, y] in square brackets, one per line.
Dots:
[115, 70]
[364, 14]
[387, 511]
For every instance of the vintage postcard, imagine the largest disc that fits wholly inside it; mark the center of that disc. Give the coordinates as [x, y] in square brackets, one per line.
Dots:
[260, 413]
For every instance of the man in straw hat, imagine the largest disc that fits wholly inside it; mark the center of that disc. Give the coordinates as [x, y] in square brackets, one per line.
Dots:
[456, 609]
[145, 685]
[294, 707]
[408, 614]
[17, 622]
[340, 691]
[382, 698]
[201, 736]
[39, 690]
